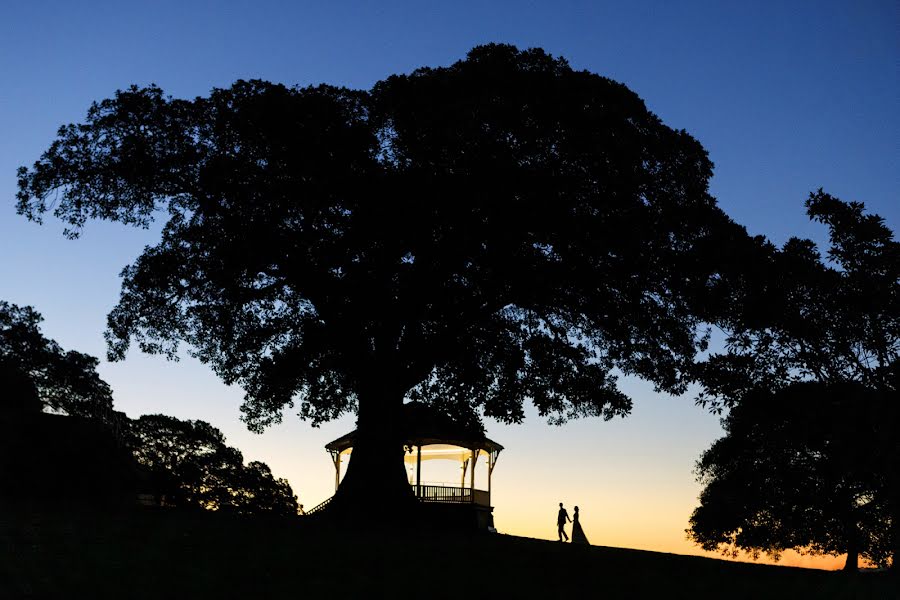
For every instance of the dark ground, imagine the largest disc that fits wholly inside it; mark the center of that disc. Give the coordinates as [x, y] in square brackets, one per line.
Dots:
[167, 554]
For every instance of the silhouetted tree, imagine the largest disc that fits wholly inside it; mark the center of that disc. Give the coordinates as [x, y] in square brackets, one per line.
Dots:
[193, 467]
[801, 468]
[837, 324]
[257, 491]
[36, 373]
[502, 230]
[803, 319]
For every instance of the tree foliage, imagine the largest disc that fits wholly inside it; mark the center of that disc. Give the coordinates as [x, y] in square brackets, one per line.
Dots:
[38, 374]
[189, 459]
[500, 231]
[804, 468]
[800, 317]
[811, 457]
[193, 467]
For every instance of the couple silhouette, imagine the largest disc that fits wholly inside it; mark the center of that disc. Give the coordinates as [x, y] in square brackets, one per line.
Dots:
[578, 536]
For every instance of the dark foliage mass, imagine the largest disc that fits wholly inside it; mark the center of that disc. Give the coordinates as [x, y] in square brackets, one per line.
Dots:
[804, 318]
[810, 465]
[38, 374]
[191, 466]
[805, 468]
[187, 460]
[500, 231]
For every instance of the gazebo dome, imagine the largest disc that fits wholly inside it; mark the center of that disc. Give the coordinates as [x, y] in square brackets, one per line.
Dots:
[423, 425]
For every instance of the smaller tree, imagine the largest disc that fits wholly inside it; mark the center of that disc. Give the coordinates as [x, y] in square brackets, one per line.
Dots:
[802, 468]
[258, 491]
[787, 473]
[195, 468]
[38, 374]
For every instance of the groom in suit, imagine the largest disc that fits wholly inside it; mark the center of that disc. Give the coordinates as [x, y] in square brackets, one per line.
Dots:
[561, 520]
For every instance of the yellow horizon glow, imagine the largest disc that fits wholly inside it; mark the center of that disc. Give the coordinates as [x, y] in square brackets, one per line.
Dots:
[616, 527]
[632, 477]
[652, 541]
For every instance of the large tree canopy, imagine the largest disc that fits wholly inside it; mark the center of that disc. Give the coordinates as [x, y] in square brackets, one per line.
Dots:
[502, 230]
[36, 373]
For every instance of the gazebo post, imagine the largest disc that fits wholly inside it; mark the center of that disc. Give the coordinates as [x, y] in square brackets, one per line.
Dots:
[492, 462]
[490, 471]
[419, 471]
[337, 471]
[472, 475]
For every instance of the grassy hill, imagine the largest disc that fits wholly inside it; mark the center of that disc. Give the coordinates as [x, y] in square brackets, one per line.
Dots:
[169, 554]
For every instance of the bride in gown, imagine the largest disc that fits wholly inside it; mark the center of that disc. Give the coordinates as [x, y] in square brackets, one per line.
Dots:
[578, 536]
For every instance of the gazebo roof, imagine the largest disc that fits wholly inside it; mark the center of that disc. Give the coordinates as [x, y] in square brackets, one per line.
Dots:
[423, 426]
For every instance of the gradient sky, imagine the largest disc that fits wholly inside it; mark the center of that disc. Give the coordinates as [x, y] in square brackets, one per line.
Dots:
[787, 97]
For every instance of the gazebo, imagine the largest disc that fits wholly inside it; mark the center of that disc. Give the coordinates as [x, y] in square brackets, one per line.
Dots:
[431, 435]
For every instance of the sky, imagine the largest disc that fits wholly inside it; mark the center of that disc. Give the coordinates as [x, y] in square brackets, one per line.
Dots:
[787, 97]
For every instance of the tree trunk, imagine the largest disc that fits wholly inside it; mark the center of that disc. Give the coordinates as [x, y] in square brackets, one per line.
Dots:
[375, 489]
[852, 535]
[852, 564]
[895, 530]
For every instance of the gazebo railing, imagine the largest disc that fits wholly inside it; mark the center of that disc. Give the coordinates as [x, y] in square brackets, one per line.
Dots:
[447, 494]
[319, 506]
[438, 494]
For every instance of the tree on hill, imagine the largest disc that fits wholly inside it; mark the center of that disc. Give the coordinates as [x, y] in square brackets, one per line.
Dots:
[502, 230]
[257, 491]
[803, 468]
[37, 374]
[189, 459]
[47, 457]
[193, 467]
[835, 322]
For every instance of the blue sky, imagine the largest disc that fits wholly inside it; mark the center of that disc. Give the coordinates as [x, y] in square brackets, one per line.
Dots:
[786, 96]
